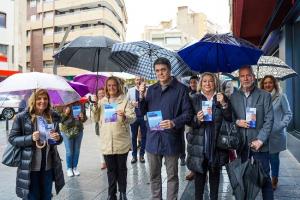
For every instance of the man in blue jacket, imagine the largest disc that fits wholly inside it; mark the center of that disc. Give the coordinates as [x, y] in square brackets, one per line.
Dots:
[171, 98]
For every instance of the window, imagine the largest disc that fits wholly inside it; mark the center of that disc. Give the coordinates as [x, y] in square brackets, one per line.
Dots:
[48, 63]
[173, 40]
[3, 49]
[48, 15]
[48, 31]
[48, 47]
[158, 41]
[32, 17]
[48, 1]
[32, 3]
[2, 20]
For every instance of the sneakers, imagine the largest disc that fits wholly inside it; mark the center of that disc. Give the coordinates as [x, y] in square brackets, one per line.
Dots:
[76, 172]
[133, 160]
[142, 159]
[70, 172]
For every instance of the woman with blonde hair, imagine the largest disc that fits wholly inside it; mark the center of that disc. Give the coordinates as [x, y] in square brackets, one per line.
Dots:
[115, 114]
[282, 117]
[36, 131]
[210, 108]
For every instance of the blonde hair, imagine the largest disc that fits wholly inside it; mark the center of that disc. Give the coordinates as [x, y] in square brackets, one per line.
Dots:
[32, 105]
[216, 81]
[119, 86]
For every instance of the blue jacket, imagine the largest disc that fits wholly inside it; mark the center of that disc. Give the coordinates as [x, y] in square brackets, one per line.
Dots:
[175, 105]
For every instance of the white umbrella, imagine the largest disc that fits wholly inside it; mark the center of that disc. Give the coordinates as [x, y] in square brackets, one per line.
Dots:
[61, 93]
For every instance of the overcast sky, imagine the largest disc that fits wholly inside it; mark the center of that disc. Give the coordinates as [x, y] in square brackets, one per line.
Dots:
[152, 12]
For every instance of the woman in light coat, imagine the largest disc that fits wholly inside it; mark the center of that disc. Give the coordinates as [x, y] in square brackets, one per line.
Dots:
[282, 117]
[115, 114]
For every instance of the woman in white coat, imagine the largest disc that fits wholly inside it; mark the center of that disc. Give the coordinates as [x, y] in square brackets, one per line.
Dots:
[282, 117]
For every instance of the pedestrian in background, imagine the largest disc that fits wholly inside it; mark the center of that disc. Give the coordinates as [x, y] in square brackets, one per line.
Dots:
[115, 114]
[73, 117]
[39, 167]
[170, 98]
[256, 135]
[203, 154]
[96, 117]
[282, 117]
[193, 84]
[139, 124]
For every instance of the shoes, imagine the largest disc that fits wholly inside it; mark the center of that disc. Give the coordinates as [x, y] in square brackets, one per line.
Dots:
[142, 159]
[76, 172]
[103, 166]
[70, 172]
[122, 196]
[274, 182]
[133, 160]
[190, 176]
[182, 161]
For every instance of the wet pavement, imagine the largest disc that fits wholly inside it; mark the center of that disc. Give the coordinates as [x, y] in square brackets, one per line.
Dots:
[92, 182]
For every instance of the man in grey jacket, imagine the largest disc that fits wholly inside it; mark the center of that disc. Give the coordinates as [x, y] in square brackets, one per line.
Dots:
[254, 116]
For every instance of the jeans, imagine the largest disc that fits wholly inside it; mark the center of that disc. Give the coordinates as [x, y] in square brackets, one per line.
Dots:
[264, 158]
[72, 149]
[140, 122]
[116, 172]
[40, 185]
[214, 181]
[155, 164]
[275, 162]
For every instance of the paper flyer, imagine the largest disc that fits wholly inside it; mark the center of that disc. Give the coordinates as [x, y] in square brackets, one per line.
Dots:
[251, 117]
[76, 110]
[44, 129]
[207, 110]
[110, 112]
[154, 119]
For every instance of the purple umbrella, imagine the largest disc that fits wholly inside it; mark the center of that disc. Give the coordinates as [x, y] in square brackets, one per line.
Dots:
[80, 88]
[92, 81]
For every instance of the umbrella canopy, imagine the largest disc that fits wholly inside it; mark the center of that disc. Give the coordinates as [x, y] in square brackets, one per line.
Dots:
[246, 178]
[80, 88]
[220, 53]
[90, 53]
[138, 57]
[92, 81]
[61, 93]
[270, 65]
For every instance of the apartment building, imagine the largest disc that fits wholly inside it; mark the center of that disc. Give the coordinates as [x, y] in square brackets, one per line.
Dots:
[174, 34]
[48, 20]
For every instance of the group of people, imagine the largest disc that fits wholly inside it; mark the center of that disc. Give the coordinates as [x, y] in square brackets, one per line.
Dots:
[119, 117]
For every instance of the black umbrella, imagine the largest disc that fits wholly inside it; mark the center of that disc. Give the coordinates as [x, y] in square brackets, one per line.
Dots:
[89, 53]
[246, 178]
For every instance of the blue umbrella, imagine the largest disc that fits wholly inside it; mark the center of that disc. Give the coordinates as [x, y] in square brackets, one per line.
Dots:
[220, 53]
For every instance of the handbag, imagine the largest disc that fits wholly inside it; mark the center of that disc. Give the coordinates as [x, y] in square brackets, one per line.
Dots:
[228, 137]
[12, 155]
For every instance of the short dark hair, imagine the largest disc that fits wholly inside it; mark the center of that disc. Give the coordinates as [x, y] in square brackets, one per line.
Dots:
[162, 61]
[194, 78]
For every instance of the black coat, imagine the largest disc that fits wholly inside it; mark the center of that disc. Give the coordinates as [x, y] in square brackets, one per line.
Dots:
[195, 138]
[21, 135]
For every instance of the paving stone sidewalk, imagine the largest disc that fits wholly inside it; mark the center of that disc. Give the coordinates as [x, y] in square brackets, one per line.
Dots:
[92, 183]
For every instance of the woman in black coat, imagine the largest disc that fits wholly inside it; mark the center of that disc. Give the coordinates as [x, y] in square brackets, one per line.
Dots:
[40, 162]
[203, 155]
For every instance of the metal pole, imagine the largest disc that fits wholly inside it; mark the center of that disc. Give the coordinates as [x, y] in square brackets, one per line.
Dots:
[59, 48]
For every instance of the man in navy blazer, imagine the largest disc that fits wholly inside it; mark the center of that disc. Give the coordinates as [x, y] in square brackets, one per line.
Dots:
[171, 98]
[257, 104]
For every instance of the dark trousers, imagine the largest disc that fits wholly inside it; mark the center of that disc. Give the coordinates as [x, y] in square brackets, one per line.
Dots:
[182, 154]
[264, 158]
[40, 185]
[116, 172]
[214, 181]
[140, 122]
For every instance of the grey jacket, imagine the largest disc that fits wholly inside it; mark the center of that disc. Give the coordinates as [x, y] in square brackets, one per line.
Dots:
[261, 100]
[282, 117]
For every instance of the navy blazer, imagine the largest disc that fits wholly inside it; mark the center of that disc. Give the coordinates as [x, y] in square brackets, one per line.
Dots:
[175, 105]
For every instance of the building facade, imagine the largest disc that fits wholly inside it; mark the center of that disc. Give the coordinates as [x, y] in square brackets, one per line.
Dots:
[47, 21]
[189, 27]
